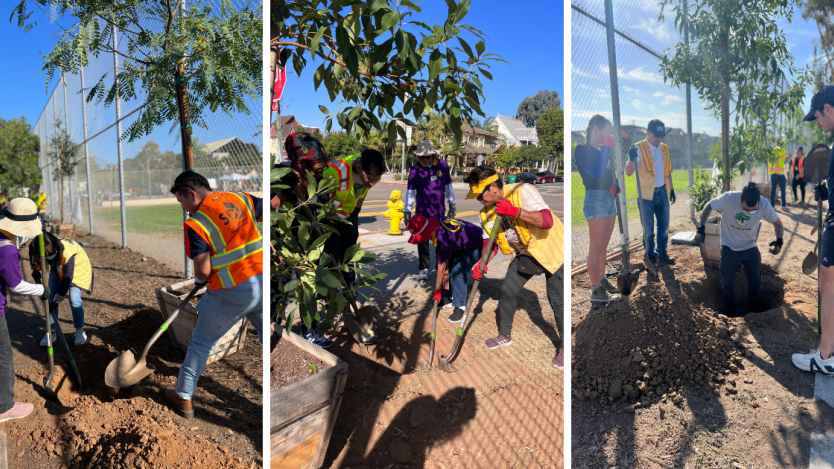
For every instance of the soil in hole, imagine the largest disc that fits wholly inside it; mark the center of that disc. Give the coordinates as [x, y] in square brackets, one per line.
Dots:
[290, 364]
[707, 291]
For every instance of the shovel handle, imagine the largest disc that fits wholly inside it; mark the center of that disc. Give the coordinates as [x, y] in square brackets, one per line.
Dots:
[167, 323]
[46, 381]
[433, 332]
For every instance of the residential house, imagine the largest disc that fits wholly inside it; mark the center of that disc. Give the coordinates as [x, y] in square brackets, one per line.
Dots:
[515, 133]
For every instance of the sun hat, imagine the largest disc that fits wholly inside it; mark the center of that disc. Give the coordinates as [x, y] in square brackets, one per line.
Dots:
[422, 228]
[21, 218]
[477, 188]
[425, 148]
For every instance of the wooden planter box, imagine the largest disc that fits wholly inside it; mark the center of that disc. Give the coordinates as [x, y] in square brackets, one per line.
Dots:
[712, 245]
[303, 414]
[67, 230]
[180, 330]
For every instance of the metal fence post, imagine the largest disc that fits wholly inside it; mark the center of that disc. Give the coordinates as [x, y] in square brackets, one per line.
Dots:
[66, 123]
[119, 139]
[615, 107]
[689, 116]
[86, 153]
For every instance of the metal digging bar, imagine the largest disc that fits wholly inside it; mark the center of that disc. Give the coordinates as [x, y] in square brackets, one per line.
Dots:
[484, 260]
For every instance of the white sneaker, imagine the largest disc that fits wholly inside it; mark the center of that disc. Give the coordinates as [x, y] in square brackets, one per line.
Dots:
[424, 274]
[80, 337]
[813, 362]
[44, 343]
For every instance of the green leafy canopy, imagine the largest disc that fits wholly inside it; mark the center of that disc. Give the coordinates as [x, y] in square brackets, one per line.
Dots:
[221, 48]
[384, 63]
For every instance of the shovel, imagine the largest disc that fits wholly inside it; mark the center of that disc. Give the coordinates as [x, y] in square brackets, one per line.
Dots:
[53, 307]
[496, 226]
[626, 280]
[646, 260]
[125, 370]
[428, 366]
[809, 264]
[47, 382]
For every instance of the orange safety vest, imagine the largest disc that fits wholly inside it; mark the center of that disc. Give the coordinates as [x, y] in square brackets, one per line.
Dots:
[227, 221]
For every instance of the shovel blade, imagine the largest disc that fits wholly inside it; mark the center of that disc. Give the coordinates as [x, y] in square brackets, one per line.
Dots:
[815, 228]
[649, 264]
[809, 265]
[124, 371]
[627, 282]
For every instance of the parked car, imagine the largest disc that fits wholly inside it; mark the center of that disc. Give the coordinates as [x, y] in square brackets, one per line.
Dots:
[560, 176]
[529, 178]
[545, 177]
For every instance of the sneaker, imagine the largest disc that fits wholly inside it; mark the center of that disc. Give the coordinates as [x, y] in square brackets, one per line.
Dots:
[500, 341]
[44, 343]
[813, 362]
[608, 286]
[446, 303]
[559, 360]
[314, 338]
[601, 295]
[424, 274]
[18, 411]
[457, 315]
[662, 256]
[80, 337]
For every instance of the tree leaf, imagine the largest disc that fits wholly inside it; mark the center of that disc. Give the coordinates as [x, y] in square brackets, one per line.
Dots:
[485, 73]
[389, 21]
[324, 109]
[462, 10]
[465, 46]
[480, 47]
[314, 44]
[435, 64]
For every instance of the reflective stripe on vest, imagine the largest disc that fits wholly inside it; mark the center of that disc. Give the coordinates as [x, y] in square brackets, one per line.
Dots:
[776, 168]
[344, 173]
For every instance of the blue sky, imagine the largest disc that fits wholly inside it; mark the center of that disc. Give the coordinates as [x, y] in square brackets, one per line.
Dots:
[527, 33]
[643, 94]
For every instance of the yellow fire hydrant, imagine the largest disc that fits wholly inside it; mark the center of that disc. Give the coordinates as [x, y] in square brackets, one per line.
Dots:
[395, 212]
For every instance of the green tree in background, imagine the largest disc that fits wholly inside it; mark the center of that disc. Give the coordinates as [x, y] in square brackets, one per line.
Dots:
[550, 129]
[62, 153]
[19, 150]
[341, 144]
[532, 107]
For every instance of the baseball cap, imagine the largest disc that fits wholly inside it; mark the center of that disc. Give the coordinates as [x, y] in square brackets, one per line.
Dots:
[657, 128]
[824, 96]
[799, 149]
[422, 228]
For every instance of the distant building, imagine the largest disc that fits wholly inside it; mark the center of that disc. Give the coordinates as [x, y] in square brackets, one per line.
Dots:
[232, 152]
[515, 133]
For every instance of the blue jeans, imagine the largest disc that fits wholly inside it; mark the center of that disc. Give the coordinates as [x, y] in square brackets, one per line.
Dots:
[460, 273]
[777, 179]
[219, 311]
[657, 207]
[74, 299]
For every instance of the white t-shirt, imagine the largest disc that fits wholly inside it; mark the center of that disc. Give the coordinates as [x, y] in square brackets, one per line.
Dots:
[657, 155]
[533, 202]
[739, 227]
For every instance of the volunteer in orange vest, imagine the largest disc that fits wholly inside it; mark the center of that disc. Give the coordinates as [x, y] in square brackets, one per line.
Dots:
[652, 158]
[797, 171]
[531, 232]
[223, 239]
[776, 170]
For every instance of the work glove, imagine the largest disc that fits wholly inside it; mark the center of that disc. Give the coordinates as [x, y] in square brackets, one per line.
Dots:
[452, 210]
[36, 276]
[820, 192]
[607, 147]
[776, 246]
[59, 298]
[632, 155]
[407, 217]
[506, 208]
[608, 142]
[46, 293]
[614, 189]
[702, 232]
[672, 197]
[477, 273]
[437, 295]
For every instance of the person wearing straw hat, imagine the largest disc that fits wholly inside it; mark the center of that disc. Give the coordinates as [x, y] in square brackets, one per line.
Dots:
[530, 231]
[429, 187]
[19, 224]
[37, 196]
[821, 360]
[223, 239]
[459, 245]
[70, 273]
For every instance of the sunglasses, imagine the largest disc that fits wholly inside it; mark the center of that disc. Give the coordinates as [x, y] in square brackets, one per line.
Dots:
[480, 198]
[309, 167]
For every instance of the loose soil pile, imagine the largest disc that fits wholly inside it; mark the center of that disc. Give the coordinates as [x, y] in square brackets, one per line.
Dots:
[290, 364]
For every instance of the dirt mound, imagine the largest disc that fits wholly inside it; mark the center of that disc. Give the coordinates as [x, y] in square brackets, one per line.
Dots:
[127, 433]
[666, 336]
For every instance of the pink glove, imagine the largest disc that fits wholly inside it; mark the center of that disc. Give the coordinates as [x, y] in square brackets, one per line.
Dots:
[608, 142]
[506, 208]
[477, 273]
[436, 296]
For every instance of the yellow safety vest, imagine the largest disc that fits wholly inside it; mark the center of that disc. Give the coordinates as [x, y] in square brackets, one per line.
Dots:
[40, 201]
[345, 199]
[546, 246]
[647, 168]
[777, 166]
[82, 276]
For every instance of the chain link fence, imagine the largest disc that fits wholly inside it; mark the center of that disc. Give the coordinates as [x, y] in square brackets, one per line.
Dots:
[228, 153]
[640, 41]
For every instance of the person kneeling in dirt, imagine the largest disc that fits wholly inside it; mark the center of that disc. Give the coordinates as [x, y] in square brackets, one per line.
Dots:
[19, 224]
[459, 246]
[742, 213]
[70, 272]
[533, 232]
[223, 239]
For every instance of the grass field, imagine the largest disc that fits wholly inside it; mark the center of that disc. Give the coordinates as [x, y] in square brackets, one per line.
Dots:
[158, 219]
[680, 180]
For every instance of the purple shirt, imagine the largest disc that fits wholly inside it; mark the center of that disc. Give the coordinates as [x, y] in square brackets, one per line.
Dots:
[429, 183]
[10, 275]
[456, 236]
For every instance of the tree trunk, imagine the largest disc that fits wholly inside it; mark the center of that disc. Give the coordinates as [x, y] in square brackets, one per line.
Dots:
[725, 109]
[185, 122]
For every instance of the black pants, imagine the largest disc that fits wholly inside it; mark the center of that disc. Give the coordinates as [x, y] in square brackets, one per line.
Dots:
[424, 255]
[752, 261]
[509, 297]
[801, 183]
[6, 368]
[777, 180]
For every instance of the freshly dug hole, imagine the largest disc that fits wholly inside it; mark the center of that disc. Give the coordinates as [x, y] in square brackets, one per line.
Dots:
[665, 337]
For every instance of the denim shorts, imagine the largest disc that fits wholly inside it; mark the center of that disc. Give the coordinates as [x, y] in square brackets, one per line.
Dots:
[598, 204]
